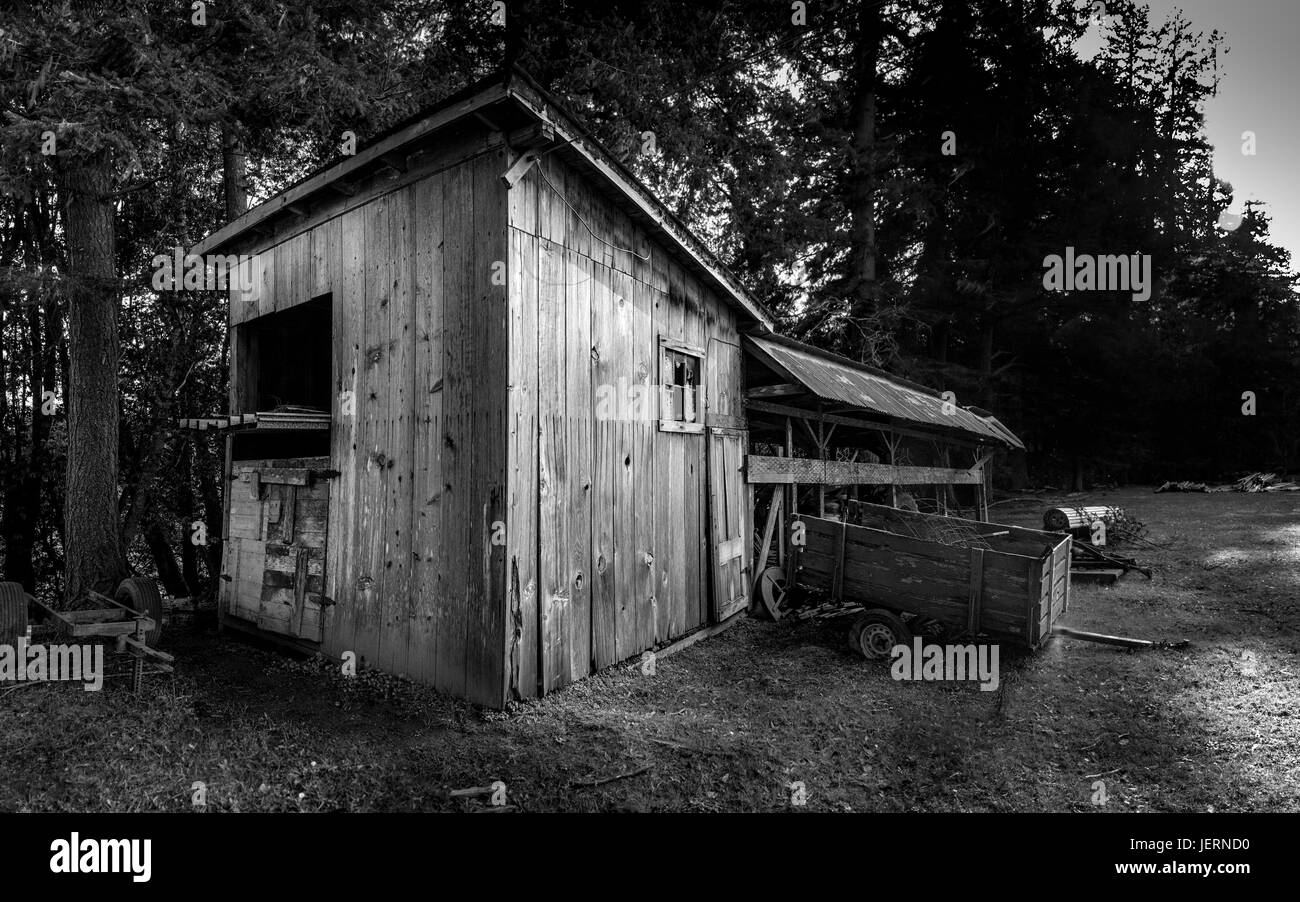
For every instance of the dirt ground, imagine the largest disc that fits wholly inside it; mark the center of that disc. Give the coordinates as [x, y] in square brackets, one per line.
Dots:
[731, 723]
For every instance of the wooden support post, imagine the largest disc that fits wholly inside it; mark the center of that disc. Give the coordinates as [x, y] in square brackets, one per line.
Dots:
[821, 455]
[773, 518]
[782, 492]
[892, 443]
[793, 491]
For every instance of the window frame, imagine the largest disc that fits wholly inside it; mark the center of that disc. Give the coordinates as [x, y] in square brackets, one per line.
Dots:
[667, 422]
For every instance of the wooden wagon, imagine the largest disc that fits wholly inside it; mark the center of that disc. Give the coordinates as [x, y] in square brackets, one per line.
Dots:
[132, 619]
[934, 576]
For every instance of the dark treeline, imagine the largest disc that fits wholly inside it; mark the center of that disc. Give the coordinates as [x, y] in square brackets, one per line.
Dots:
[889, 177]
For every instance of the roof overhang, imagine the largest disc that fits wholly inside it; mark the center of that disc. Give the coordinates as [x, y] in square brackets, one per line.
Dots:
[509, 98]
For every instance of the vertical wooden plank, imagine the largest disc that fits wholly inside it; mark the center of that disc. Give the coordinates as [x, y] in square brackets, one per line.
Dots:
[266, 282]
[644, 369]
[522, 640]
[553, 485]
[399, 468]
[428, 562]
[244, 302]
[375, 432]
[323, 248]
[698, 570]
[347, 451]
[674, 502]
[452, 627]
[522, 645]
[627, 547]
[606, 468]
[486, 679]
[578, 445]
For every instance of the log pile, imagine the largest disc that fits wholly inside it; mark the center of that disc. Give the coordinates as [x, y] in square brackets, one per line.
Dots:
[1183, 486]
[1264, 482]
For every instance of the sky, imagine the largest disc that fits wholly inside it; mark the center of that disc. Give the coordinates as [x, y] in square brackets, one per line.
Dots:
[1260, 92]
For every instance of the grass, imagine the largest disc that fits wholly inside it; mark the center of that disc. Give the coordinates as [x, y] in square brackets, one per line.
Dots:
[731, 723]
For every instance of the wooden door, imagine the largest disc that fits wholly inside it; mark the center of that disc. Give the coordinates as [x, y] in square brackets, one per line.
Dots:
[275, 552]
[729, 528]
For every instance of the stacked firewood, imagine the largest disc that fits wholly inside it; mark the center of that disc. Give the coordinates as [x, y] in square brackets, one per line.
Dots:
[1264, 482]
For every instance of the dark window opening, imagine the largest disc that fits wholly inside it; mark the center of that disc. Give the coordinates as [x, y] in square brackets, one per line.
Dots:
[285, 367]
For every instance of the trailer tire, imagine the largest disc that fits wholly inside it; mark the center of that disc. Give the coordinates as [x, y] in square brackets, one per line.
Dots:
[875, 633]
[142, 595]
[13, 613]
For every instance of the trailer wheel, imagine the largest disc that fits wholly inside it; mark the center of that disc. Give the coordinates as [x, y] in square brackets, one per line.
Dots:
[875, 633]
[142, 595]
[772, 590]
[13, 613]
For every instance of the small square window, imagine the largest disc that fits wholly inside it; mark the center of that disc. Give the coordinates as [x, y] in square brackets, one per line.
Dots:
[681, 402]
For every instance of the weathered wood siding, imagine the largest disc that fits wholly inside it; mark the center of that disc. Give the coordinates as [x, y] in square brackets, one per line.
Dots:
[415, 263]
[608, 541]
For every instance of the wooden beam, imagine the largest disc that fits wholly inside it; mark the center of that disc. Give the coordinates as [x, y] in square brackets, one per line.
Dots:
[395, 162]
[537, 134]
[519, 168]
[764, 470]
[769, 530]
[786, 410]
[687, 641]
[775, 391]
[1101, 637]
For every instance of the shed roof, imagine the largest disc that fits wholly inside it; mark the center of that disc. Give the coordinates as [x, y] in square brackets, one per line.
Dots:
[840, 380]
[506, 101]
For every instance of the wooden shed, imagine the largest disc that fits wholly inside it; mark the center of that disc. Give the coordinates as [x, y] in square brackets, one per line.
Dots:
[486, 422]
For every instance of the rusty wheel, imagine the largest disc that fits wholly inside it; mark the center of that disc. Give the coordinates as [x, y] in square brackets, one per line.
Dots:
[141, 594]
[876, 632]
[13, 613]
[772, 590]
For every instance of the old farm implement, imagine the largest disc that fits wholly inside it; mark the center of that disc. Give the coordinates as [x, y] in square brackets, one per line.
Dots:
[1095, 529]
[911, 574]
[132, 619]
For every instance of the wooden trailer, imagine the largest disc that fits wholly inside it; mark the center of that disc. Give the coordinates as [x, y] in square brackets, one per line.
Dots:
[486, 424]
[827, 432]
[933, 575]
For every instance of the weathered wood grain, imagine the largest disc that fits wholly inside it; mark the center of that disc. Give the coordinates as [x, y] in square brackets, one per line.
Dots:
[457, 455]
[578, 411]
[399, 448]
[428, 558]
[346, 449]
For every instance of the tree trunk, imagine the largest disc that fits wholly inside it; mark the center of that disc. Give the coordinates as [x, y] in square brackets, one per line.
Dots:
[234, 164]
[863, 286]
[168, 573]
[93, 548]
[234, 168]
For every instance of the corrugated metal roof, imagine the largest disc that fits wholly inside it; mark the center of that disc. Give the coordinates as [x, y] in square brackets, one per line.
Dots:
[834, 378]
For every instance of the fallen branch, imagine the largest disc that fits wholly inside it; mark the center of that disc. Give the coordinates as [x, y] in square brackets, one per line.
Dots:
[601, 782]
